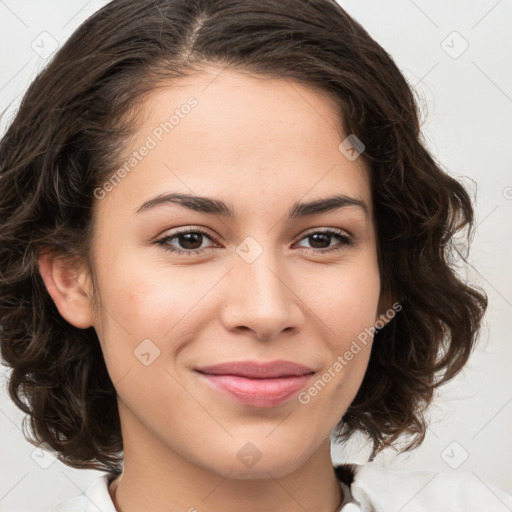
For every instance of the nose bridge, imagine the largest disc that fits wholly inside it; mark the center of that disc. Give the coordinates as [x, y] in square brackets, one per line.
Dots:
[260, 270]
[260, 296]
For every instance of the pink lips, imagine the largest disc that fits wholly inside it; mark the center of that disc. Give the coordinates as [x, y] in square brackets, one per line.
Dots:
[257, 384]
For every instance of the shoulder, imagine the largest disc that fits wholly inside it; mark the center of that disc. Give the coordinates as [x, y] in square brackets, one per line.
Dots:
[95, 497]
[374, 487]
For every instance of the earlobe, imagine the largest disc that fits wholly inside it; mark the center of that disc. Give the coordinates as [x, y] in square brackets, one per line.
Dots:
[67, 284]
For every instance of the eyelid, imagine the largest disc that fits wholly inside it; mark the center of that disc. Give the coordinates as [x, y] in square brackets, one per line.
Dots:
[339, 231]
[189, 229]
[345, 238]
[205, 231]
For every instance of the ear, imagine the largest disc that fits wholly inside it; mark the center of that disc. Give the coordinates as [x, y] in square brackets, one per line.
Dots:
[68, 283]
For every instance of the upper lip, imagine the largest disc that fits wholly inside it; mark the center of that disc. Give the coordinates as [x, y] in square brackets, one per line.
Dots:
[257, 370]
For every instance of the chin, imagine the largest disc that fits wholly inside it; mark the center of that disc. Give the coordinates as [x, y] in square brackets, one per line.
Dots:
[263, 471]
[252, 464]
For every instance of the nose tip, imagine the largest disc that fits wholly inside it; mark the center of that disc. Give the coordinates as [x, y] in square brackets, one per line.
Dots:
[260, 300]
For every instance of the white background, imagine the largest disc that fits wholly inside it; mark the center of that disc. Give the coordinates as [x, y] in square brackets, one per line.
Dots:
[466, 101]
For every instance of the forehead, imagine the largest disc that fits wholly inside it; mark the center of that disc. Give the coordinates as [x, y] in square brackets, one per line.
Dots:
[250, 108]
[248, 139]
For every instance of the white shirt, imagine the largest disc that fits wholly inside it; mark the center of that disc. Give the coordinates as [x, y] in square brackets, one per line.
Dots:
[374, 489]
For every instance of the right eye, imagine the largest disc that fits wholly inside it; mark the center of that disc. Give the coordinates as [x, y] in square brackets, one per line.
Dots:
[187, 237]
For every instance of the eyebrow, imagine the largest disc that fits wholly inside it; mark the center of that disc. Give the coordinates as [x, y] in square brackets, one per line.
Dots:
[223, 209]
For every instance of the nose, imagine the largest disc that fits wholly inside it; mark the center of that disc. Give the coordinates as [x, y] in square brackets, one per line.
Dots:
[262, 298]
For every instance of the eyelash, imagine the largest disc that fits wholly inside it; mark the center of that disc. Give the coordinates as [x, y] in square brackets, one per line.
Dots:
[345, 240]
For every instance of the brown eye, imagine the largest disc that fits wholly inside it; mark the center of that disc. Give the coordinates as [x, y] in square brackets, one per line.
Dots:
[188, 241]
[320, 241]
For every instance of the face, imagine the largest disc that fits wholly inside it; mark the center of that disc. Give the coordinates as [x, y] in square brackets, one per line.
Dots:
[183, 289]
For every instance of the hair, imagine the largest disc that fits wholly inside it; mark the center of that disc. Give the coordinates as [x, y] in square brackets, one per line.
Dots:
[67, 137]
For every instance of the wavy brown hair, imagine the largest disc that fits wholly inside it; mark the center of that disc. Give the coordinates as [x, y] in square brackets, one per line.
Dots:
[67, 137]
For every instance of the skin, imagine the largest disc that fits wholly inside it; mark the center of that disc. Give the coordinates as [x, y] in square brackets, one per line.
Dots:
[261, 145]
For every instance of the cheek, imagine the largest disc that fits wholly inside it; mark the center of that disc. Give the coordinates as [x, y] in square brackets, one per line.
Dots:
[147, 301]
[166, 305]
[345, 298]
[149, 312]
[347, 304]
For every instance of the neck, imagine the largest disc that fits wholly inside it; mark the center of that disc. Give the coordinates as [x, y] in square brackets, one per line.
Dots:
[157, 478]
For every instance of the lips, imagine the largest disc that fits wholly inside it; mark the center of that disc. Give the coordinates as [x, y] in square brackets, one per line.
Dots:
[257, 384]
[256, 370]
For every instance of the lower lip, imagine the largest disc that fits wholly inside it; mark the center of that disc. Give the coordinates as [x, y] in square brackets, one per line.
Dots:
[257, 392]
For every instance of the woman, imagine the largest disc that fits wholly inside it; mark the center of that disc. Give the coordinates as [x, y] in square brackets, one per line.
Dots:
[221, 240]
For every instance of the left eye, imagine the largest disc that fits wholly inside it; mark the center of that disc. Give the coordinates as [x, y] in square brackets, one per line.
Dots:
[191, 241]
[319, 237]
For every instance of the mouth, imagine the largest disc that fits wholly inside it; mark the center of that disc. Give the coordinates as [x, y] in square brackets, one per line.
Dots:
[257, 384]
